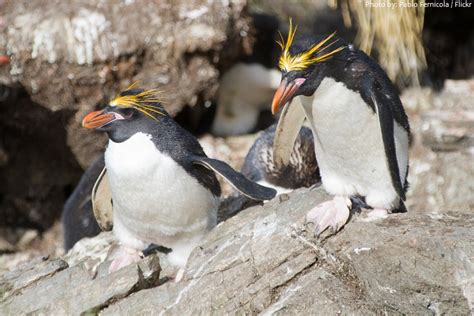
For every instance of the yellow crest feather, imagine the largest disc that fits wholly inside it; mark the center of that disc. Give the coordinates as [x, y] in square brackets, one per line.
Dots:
[143, 101]
[302, 61]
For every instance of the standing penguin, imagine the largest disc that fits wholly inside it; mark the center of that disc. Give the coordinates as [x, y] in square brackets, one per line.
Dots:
[361, 132]
[164, 189]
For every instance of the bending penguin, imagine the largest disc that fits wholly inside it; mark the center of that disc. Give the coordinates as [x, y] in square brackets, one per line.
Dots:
[301, 171]
[361, 132]
[163, 186]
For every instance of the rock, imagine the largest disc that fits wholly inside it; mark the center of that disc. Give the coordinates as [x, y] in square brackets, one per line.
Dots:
[449, 125]
[31, 272]
[74, 56]
[265, 260]
[441, 173]
[441, 181]
[448, 130]
[76, 290]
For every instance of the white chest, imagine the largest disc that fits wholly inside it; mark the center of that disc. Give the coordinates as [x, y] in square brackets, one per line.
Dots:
[154, 198]
[342, 121]
[348, 142]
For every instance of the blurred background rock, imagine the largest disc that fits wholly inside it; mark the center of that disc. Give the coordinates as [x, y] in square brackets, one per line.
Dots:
[60, 59]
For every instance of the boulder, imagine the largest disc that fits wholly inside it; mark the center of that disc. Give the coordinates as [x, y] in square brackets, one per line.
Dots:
[265, 260]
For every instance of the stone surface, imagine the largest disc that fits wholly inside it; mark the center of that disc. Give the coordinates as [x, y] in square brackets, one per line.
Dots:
[265, 260]
[77, 290]
[73, 56]
[28, 273]
[448, 130]
[441, 173]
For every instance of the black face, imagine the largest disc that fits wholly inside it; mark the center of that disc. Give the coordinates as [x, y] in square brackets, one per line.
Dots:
[119, 123]
[122, 117]
[306, 81]
[313, 76]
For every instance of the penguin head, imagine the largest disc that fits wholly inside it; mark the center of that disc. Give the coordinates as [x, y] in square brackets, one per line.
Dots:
[303, 63]
[133, 110]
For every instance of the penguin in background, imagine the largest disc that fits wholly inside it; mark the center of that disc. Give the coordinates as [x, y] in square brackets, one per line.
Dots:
[260, 167]
[246, 89]
[301, 172]
[361, 132]
[163, 187]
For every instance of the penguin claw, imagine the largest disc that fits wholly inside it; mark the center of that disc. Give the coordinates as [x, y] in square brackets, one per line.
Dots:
[126, 257]
[332, 214]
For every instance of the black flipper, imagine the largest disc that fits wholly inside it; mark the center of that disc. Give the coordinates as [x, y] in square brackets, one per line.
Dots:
[385, 116]
[236, 179]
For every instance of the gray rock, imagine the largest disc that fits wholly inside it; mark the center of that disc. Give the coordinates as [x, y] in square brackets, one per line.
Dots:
[265, 260]
[441, 173]
[72, 55]
[448, 130]
[76, 290]
[31, 272]
[441, 181]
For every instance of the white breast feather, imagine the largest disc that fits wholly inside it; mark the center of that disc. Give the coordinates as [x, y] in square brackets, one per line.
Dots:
[349, 149]
[155, 200]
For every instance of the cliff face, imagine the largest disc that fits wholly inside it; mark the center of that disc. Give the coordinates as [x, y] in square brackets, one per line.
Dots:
[265, 260]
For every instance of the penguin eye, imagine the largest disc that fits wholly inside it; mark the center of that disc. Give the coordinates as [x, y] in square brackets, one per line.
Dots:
[127, 112]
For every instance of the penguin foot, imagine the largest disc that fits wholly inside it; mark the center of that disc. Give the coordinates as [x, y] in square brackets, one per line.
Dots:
[333, 213]
[376, 214]
[125, 257]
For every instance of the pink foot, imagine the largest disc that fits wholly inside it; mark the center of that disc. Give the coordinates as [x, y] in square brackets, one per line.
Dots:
[376, 214]
[333, 213]
[125, 257]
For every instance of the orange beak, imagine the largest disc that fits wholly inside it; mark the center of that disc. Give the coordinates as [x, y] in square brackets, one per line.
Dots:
[285, 92]
[98, 119]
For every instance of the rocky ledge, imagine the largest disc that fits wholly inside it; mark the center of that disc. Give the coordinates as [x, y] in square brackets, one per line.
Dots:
[265, 260]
